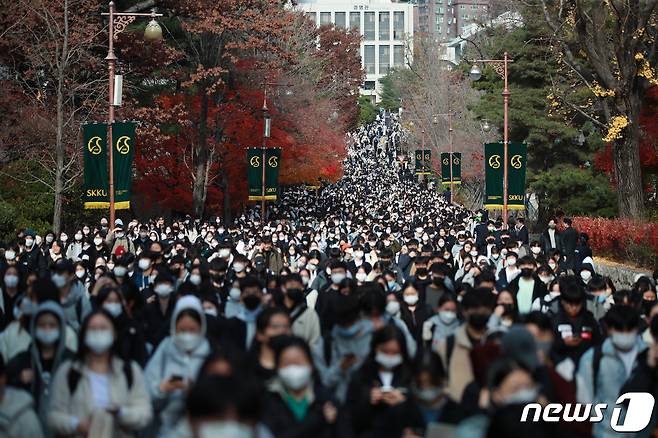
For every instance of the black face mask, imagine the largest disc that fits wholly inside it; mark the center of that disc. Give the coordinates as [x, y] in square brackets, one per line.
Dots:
[296, 295]
[508, 309]
[437, 281]
[251, 302]
[478, 321]
[647, 305]
[527, 272]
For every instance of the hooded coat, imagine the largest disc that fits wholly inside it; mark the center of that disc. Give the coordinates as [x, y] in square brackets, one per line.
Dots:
[170, 360]
[32, 360]
[17, 418]
[76, 305]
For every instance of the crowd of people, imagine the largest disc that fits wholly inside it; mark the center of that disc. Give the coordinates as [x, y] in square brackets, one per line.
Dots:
[375, 309]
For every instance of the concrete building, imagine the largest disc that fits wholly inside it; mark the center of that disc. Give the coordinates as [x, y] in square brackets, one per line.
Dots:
[447, 19]
[386, 26]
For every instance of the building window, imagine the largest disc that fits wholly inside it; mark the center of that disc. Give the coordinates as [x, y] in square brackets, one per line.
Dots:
[474, 7]
[398, 25]
[398, 56]
[311, 16]
[369, 85]
[441, 9]
[340, 19]
[438, 27]
[369, 26]
[325, 18]
[384, 26]
[384, 59]
[369, 59]
[355, 21]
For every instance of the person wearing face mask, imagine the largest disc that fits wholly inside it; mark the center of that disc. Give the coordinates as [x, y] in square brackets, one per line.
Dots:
[358, 261]
[19, 419]
[117, 237]
[605, 368]
[327, 296]
[341, 352]
[131, 339]
[72, 293]
[33, 370]
[413, 311]
[144, 273]
[443, 323]
[509, 273]
[11, 290]
[379, 400]
[305, 321]
[260, 360]
[527, 287]
[586, 273]
[173, 367]
[251, 305]
[32, 257]
[157, 314]
[296, 404]
[97, 248]
[97, 393]
[143, 241]
[75, 247]
[477, 307]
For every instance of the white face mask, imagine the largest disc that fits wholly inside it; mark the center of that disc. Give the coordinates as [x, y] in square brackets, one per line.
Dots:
[511, 261]
[144, 264]
[80, 273]
[224, 252]
[585, 275]
[98, 241]
[114, 309]
[361, 276]
[337, 277]
[388, 361]
[187, 341]
[238, 267]
[392, 308]
[234, 294]
[29, 242]
[59, 280]
[624, 341]
[99, 341]
[163, 290]
[78, 236]
[295, 377]
[535, 250]
[11, 280]
[120, 271]
[10, 255]
[195, 279]
[447, 316]
[47, 336]
[411, 300]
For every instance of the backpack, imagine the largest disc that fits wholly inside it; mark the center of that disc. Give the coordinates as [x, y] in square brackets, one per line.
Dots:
[74, 375]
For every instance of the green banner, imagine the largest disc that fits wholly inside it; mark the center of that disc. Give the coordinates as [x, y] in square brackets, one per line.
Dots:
[255, 173]
[493, 171]
[94, 145]
[456, 168]
[517, 154]
[423, 161]
[123, 137]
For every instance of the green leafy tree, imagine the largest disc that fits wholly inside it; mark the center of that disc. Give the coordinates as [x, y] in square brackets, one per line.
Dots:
[390, 95]
[367, 111]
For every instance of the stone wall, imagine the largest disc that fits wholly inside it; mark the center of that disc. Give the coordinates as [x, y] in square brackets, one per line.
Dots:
[623, 276]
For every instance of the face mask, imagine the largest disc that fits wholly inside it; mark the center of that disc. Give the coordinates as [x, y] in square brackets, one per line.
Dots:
[99, 341]
[305, 281]
[163, 290]
[187, 341]
[234, 294]
[411, 299]
[311, 267]
[585, 275]
[119, 234]
[428, 394]
[348, 332]
[624, 341]
[113, 309]
[98, 241]
[296, 295]
[526, 272]
[251, 302]
[546, 279]
[224, 252]
[478, 321]
[447, 316]
[80, 273]
[29, 242]
[295, 377]
[10, 255]
[522, 396]
[78, 236]
[361, 276]
[337, 277]
[552, 266]
[120, 271]
[238, 267]
[144, 264]
[392, 308]
[59, 280]
[195, 279]
[47, 336]
[11, 280]
[388, 361]
[511, 261]
[49, 239]
[535, 250]
[421, 272]
[473, 253]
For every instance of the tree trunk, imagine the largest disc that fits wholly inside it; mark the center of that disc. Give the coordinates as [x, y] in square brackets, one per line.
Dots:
[227, 199]
[60, 151]
[627, 172]
[200, 184]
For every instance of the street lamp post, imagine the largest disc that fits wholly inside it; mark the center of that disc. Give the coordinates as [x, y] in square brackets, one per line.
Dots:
[449, 115]
[267, 124]
[500, 67]
[118, 23]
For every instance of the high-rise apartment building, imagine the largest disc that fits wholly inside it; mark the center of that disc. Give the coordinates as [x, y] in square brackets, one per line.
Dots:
[386, 28]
